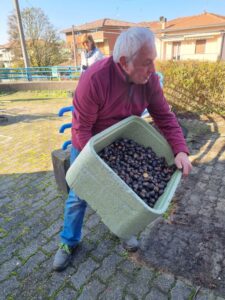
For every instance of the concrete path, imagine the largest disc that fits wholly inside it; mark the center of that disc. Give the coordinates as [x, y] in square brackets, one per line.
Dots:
[181, 257]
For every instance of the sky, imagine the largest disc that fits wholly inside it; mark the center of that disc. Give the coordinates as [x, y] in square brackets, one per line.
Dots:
[64, 14]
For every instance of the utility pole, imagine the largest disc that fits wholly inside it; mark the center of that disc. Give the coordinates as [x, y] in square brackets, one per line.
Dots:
[22, 39]
[74, 47]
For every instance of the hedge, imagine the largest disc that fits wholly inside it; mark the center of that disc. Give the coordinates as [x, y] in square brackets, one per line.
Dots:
[194, 86]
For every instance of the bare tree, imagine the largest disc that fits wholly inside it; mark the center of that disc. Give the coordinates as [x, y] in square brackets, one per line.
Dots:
[42, 40]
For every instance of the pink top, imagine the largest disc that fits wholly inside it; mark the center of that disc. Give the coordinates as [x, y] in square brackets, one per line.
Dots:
[104, 96]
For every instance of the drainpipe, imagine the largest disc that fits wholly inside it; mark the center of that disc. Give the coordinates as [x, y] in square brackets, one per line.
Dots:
[222, 46]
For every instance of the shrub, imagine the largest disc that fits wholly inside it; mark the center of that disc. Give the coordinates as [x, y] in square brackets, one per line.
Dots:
[194, 86]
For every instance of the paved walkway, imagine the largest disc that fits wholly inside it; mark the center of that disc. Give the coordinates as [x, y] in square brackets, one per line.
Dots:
[181, 257]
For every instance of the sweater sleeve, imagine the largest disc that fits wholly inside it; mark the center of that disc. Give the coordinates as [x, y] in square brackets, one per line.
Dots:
[164, 118]
[86, 108]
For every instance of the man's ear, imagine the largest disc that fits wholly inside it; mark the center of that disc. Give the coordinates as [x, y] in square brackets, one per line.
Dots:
[123, 62]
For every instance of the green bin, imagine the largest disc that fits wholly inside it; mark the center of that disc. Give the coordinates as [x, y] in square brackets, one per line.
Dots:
[119, 207]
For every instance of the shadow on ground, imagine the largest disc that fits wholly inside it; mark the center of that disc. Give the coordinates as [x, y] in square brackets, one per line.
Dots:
[191, 241]
[8, 119]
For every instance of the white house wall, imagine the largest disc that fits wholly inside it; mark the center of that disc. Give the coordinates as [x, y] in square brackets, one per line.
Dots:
[187, 50]
[6, 57]
[158, 48]
[168, 51]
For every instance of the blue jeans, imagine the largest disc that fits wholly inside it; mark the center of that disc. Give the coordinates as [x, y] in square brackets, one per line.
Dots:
[73, 214]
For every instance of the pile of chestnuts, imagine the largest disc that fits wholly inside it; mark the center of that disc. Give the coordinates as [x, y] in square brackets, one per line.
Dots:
[141, 169]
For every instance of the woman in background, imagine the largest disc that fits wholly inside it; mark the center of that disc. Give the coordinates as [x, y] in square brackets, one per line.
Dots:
[91, 53]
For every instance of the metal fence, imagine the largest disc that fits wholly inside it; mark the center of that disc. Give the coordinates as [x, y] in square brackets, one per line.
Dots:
[39, 73]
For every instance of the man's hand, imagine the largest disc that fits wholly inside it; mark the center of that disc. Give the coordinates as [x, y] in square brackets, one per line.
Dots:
[182, 162]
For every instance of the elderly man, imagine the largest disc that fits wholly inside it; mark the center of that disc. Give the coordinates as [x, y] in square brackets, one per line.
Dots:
[110, 90]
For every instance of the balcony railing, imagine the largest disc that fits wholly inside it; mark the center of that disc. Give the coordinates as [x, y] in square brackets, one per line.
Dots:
[40, 73]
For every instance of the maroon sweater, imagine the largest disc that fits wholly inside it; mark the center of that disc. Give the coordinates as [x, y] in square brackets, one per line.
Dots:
[104, 97]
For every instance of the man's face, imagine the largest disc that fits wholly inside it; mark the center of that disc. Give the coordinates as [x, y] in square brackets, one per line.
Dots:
[142, 66]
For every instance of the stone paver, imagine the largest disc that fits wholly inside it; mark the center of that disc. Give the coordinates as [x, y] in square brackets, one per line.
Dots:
[181, 257]
[194, 247]
[91, 290]
[181, 291]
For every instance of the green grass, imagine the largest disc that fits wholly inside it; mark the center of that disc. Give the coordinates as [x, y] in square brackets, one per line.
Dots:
[3, 233]
[169, 210]
[24, 95]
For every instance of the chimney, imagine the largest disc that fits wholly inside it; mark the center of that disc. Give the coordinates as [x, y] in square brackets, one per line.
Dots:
[163, 22]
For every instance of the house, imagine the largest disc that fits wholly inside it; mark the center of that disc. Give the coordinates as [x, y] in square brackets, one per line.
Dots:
[200, 37]
[6, 54]
[104, 32]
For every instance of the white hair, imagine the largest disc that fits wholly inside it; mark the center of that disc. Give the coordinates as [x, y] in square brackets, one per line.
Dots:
[130, 41]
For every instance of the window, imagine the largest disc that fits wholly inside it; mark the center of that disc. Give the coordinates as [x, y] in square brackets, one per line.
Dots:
[176, 50]
[200, 46]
